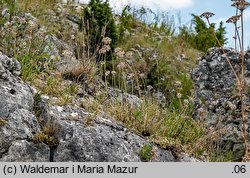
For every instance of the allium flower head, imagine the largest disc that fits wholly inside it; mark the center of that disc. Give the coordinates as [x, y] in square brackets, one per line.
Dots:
[106, 41]
[149, 87]
[104, 49]
[179, 95]
[121, 65]
[119, 52]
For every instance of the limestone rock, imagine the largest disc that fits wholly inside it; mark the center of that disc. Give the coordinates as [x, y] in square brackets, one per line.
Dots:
[217, 100]
[87, 137]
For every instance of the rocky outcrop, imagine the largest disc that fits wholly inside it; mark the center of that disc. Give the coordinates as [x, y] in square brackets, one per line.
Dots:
[80, 135]
[86, 137]
[217, 99]
[17, 123]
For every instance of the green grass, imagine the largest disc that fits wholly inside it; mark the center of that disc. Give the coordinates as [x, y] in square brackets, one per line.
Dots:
[163, 126]
[146, 153]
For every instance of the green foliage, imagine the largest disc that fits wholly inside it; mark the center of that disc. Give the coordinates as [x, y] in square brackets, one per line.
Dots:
[146, 153]
[12, 8]
[36, 107]
[99, 23]
[31, 65]
[202, 36]
[126, 21]
[162, 126]
[23, 39]
[164, 77]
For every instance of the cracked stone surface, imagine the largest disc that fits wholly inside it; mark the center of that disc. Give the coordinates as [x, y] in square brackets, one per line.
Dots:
[16, 105]
[82, 135]
[103, 140]
[217, 99]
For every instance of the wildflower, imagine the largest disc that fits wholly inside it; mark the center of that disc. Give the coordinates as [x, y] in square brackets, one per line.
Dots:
[31, 24]
[186, 102]
[7, 25]
[191, 99]
[113, 72]
[177, 83]
[119, 52]
[131, 75]
[72, 37]
[142, 75]
[107, 73]
[241, 4]
[129, 54]
[179, 95]
[67, 53]
[106, 41]
[149, 87]
[104, 49]
[121, 66]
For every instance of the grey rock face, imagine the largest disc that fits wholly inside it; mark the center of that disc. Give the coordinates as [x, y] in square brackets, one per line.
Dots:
[23, 150]
[86, 137]
[16, 104]
[121, 96]
[217, 100]
[14, 94]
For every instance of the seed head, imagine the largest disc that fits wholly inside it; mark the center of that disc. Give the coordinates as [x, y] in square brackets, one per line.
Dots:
[207, 15]
[233, 19]
[241, 4]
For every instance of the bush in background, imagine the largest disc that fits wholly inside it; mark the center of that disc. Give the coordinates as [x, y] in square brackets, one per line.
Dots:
[201, 36]
[98, 23]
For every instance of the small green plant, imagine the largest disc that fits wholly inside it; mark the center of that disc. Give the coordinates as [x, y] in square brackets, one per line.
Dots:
[47, 136]
[53, 86]
[146, 153]
[23, 39]
[151, 120]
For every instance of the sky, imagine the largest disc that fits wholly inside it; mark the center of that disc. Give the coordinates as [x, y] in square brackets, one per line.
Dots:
[184, 8]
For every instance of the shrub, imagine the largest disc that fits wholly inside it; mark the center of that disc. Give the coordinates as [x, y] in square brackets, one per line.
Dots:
[201, 36]
[126, 21]
[98, 23]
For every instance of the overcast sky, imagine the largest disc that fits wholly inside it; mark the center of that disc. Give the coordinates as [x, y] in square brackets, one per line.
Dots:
[184, 8]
